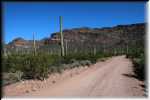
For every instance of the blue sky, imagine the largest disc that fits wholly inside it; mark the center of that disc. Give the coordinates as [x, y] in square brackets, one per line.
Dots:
[21, 19]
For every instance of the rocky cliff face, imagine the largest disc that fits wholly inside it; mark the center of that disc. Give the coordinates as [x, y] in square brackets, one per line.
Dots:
[117, 36]
[114, 36]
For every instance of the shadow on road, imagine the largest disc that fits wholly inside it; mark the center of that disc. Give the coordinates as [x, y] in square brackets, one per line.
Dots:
[144, 87]
[130, 75]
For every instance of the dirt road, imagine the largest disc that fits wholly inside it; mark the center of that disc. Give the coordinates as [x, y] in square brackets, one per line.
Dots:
[104, 79]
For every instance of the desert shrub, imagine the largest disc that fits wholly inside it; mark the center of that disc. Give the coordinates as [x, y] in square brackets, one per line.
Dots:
[139, 67]
[65, 66]
[35, 67]
[103, 59]
[75, 64]
[41, 64]
[18, 75]
[73, 61]
[71, 58]
[85, 63]
[55, 69]
[135, 52]
[82, 57]
[12, 63]
[4, 63]
[138, 58]
[9, 78]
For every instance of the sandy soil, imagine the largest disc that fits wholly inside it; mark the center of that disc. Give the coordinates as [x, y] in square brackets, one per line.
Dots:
[104, 79]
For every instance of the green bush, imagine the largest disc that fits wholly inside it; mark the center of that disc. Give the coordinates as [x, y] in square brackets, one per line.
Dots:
[138, 58]
[12, 63]
[9, 78]
[135, 52]
[75, 64]
[139, 67]
[56, 69]
[85, 63]
[32, 66]
[36, 67]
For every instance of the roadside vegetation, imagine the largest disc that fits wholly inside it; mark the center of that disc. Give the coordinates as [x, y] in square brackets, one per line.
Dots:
[17, 67]
[138, 58]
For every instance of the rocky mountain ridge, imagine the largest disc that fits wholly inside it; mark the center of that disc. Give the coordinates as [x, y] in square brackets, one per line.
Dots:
[111, 36]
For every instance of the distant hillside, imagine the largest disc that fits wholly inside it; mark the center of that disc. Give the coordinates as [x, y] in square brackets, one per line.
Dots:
[117, 34]
[110, 37]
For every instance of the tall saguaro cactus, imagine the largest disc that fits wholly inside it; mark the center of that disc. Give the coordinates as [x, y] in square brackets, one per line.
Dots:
[66, 47]
[61, 37]
[104, 45]
[34, 43]
[94, 50]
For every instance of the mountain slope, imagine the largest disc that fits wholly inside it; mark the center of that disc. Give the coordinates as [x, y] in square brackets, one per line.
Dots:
[100, 38]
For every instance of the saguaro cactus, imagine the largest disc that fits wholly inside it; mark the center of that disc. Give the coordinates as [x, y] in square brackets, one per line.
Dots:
[61, 37]
[34, 44]
[66, 47]
[94, 50]
[104, 45]
[127, 49]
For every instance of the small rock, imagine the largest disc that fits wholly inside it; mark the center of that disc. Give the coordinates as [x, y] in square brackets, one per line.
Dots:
[27, 91]
[53, 81]
[71, 75]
